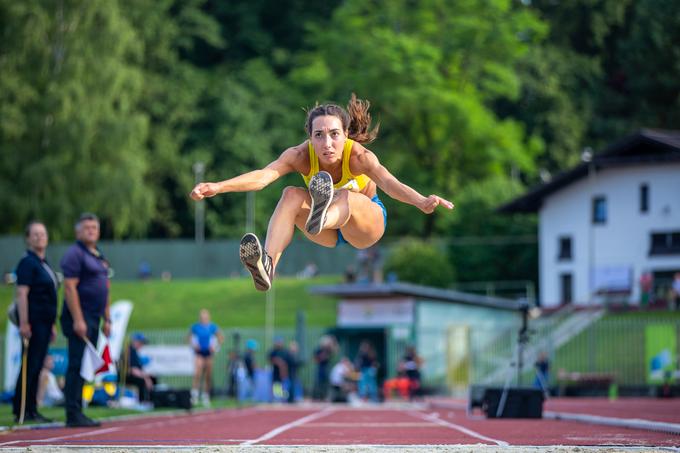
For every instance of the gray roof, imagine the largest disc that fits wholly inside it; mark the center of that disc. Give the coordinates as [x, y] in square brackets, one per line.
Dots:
[644, 147]
[385, 290]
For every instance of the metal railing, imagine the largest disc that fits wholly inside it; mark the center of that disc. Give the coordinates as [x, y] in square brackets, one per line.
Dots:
[609, 347]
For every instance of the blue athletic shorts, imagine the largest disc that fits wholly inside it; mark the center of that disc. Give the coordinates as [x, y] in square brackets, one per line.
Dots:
[376, 200]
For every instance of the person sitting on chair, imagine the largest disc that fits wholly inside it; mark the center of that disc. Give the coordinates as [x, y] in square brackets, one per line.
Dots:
[135, 373]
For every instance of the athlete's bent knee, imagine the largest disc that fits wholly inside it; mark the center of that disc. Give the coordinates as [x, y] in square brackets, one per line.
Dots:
[292, 194]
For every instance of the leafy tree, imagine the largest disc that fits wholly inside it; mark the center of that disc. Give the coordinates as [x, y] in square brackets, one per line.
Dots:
[247, 120]
[486, 245]
[420, 262]
[172, 90]
[270, 29]
[433, 70]
[70, 137]
[641, 88]
[606, 68]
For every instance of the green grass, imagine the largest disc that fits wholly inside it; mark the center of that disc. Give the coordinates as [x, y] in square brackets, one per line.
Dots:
[232, 302]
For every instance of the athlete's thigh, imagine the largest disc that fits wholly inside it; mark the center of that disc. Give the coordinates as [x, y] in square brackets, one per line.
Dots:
[200, 363]
[326, 238]
[366, 225]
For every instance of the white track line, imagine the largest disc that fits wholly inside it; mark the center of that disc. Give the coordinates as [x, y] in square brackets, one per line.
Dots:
[422, 424]
[69, 436]
[637, 423]
[300, 421]
[434, 419]
[155, 423]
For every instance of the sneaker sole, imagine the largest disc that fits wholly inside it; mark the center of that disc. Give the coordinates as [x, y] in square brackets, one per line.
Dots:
[321, 191]
[250, 252]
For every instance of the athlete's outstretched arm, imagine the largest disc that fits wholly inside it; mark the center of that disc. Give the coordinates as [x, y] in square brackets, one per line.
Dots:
[369, 164]
[251, 181]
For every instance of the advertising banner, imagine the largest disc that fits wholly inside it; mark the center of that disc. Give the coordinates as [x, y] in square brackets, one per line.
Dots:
[660, 352]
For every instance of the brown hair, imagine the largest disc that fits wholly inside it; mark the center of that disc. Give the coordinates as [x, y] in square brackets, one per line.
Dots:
[29, 226]
[356, 119]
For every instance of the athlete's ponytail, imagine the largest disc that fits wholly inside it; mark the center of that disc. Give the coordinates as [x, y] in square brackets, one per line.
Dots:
[360, 121]
[356, 119]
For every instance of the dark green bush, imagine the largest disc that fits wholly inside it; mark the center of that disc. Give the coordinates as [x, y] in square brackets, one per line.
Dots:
[420, 263]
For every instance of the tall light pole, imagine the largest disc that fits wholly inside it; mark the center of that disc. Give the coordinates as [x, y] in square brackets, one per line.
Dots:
[588, 157]
[199, 215]
[250, 212]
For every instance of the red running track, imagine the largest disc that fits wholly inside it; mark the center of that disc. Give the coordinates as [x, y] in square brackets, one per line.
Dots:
[658, 410]
[338, 425]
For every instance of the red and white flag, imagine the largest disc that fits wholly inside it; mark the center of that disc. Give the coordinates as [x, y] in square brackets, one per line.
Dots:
[91, 362]
[106, 358]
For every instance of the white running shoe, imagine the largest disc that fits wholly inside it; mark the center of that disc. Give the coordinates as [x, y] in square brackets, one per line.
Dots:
[257, 261]
[205, 400]
[321, 191]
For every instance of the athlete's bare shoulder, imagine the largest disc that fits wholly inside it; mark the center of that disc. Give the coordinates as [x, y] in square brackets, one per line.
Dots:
[297, 157]
[361, 159]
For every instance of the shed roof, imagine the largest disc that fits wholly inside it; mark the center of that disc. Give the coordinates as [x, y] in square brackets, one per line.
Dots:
[383, 290]
[643, 147]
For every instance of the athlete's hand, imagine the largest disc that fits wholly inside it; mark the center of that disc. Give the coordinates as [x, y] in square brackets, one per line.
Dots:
[430, 204]
[204, 190]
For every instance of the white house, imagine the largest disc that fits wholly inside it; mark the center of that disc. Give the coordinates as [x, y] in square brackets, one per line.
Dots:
[606, 223]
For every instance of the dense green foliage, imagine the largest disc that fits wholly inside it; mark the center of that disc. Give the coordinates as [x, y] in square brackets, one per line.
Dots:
[421, 263]
[107, 105]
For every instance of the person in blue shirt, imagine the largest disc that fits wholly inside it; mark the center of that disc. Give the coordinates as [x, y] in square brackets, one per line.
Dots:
[205, 338]
[36, 296]
[86, 304]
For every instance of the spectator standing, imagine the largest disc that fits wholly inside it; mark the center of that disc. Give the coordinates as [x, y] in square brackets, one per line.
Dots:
[410, 364]
[205, 337]
[676, 290]
[250, 364]
[294, 364]
[36, 295]
[367, 365]
[278, 358]
[86, 293]
[135, 374]
[542, 372]
[322, 356]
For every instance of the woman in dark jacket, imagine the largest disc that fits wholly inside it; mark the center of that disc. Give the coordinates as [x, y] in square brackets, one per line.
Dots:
[36, 296]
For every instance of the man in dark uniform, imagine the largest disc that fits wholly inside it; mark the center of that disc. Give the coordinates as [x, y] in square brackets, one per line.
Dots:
[36, 295]
[86, 293]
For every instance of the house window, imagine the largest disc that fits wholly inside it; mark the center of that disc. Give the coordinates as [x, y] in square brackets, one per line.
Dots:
[644, 198]
[564, 248]
[600, 210]
[566, 288]
[665, 243]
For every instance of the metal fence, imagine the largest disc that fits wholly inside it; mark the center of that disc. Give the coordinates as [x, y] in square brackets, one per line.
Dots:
[172, 337]
[221, 362]
[611, 348]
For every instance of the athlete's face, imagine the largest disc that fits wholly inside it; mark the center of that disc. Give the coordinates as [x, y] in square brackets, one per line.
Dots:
[328, 139]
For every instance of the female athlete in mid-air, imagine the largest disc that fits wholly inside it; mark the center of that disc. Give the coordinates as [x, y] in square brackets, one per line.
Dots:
[340, 205]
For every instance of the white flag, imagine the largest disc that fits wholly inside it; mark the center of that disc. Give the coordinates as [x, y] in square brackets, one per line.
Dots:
[91, 362]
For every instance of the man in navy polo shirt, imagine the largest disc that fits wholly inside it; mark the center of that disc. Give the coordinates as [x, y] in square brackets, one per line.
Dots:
[86, 293]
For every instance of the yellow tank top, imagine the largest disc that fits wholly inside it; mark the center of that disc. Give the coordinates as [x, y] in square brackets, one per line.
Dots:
[348, 180]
